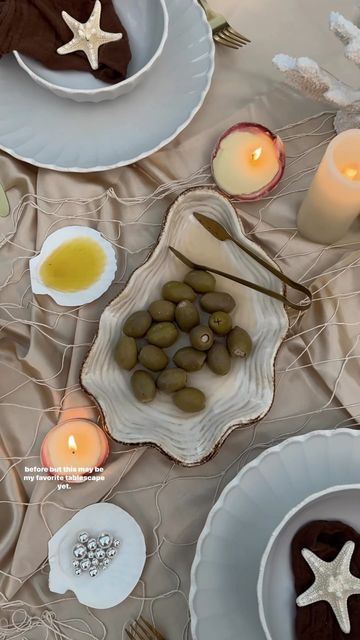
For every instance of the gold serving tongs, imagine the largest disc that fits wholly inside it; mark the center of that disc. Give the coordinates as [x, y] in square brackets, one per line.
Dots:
[219, 232]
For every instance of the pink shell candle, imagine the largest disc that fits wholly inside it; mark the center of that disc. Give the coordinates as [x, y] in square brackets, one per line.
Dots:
[74, 449]
[248, 161]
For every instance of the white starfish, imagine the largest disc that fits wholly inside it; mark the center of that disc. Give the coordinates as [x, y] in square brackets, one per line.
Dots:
[88, 37]
[333, 583]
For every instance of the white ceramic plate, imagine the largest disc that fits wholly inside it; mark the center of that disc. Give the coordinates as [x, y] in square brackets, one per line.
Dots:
[245, 394]
[277, 606]
[223, 599]
[109, 587]
[146, 23]
[41, 128]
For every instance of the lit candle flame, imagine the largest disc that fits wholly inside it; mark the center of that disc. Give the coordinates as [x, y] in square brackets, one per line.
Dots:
[256, 155]
[72, 444]
[351, 172]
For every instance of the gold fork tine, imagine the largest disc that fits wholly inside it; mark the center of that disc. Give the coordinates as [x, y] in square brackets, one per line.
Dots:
[226, 40]
[232, 38]
[237, 34]
[237, 38]
[147, 635]
[156, 633]
[221, 40]
[130, 635]
[138, 633]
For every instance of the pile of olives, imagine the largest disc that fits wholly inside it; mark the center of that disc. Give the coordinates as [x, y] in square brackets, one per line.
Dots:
[146, 335]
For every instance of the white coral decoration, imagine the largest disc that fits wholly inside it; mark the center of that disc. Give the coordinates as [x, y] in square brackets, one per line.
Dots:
[309, 78]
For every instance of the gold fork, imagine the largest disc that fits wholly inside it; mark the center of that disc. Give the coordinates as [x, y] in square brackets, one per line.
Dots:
[141, 629]
[223, 33]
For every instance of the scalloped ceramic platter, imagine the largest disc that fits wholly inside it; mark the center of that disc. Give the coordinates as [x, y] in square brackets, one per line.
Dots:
[243, 396]
[109, 587]
[96, 137]
[82, 296]
[223, 598]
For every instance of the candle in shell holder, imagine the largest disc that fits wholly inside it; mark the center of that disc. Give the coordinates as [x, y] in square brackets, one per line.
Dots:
[74, 449]
[333, 200]
[248, 161]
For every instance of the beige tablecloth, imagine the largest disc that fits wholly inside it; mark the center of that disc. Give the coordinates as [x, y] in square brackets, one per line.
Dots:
[42, 346]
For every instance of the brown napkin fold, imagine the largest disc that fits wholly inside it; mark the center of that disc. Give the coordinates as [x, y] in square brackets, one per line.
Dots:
[36, 28]
[326, 539]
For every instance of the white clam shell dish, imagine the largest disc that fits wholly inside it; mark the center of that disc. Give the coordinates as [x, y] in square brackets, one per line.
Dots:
[243, 396]
[83, 296]
[109, 587]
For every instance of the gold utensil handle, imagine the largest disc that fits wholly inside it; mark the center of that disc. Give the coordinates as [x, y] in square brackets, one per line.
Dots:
[276, 272]
[258, 287]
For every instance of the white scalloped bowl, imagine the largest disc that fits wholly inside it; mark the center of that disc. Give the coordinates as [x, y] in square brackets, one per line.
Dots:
[243, 396]
[277, 606]
[223, 598]
[147, 24]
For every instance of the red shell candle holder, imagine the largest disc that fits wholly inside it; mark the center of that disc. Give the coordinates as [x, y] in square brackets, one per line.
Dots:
[248, 161]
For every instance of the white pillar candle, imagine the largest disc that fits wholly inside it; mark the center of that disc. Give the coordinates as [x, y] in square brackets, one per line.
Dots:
[333, 200]
[248, 161]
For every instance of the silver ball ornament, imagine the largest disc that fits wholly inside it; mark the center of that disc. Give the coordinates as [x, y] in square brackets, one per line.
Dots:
[116, 543]
[83, 537]
[111, 553]
[91, 554]
[85, 564]
[76, 564]
[78, 571]
[106, 563]
[105, 540]
[79, 551]
[92, 544]
[100, 554]
[93, 572]
[95, 562]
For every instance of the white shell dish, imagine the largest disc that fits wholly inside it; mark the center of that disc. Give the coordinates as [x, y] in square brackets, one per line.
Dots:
[223, 599]
[146, 22]
[245, 394]
[277, 606]
[114, 133]
[84, 296]
[109, 587]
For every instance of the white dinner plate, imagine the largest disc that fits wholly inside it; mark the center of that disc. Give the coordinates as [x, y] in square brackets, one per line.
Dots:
[48, 131]
[223, 598]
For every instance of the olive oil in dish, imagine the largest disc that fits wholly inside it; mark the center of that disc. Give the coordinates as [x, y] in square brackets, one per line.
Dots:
[75, 265]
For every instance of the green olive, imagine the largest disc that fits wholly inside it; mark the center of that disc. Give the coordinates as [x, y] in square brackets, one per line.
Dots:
[162, 310]
[218, 359]
[163, 334]
[239, 343]
[137, 324]
[177, 291]
[126, 353]
[220, 322]
[200, 281]
[143, 386]
[172, 380]
[189, 359]
[190, 400]
[201, 337]
[217, 301]
[153, 358]
[186, 315]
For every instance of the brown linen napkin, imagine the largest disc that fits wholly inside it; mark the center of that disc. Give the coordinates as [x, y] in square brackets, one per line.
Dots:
[326, 539]
[37, 29]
